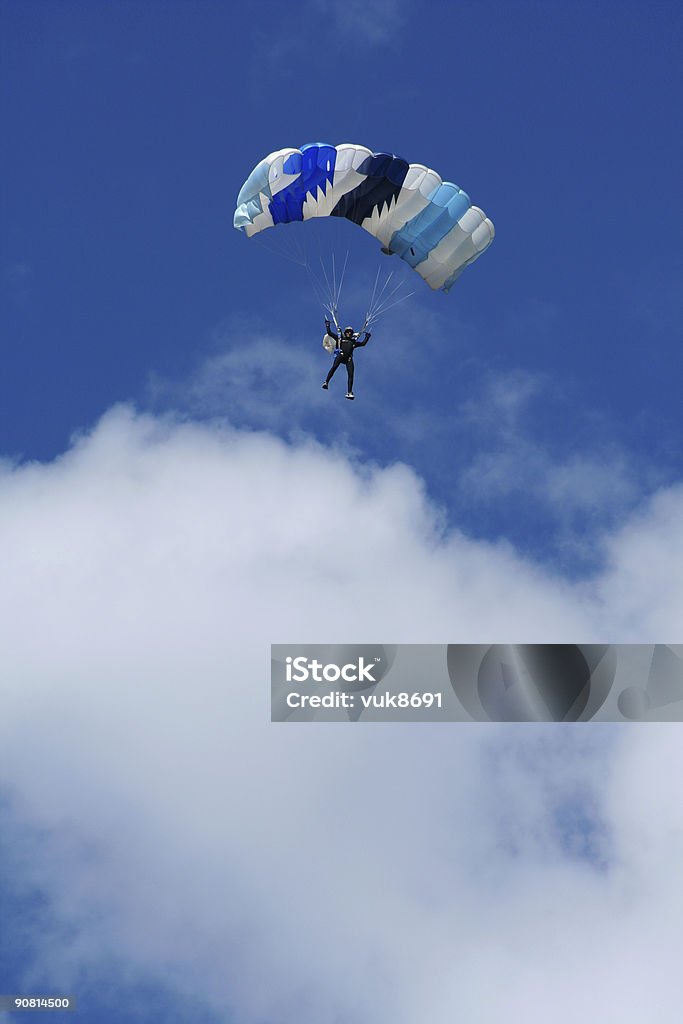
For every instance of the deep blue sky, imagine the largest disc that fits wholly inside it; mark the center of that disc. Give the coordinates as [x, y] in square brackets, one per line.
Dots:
[129, 128]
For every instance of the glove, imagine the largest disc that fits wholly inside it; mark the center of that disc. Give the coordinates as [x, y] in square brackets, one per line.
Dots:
[367, 335]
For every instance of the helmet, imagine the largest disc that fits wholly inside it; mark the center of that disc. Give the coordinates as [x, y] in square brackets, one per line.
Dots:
[348, 330]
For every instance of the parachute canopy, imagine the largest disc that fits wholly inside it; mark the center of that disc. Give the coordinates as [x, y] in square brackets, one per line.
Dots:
[410, 210]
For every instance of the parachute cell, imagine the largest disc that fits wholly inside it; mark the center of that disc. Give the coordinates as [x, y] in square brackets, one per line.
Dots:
[427, 222]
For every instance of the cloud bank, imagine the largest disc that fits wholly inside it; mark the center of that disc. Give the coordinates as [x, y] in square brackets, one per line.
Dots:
[309, 873]
[514, 454]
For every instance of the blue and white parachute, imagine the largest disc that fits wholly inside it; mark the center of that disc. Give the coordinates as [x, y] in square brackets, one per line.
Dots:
[428, 222]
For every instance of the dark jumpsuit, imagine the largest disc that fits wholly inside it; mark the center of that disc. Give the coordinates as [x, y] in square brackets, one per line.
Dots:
[347, 345]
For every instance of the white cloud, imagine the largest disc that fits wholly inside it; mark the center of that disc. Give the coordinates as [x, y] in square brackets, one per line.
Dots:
[642, 587]
[327, 34]
[365, 23]
[311, 873]
[577, 480]
[514, 456]
[18, 279]
[268, 383]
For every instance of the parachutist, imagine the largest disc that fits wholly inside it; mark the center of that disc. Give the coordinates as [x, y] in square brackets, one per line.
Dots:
[343, 353]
